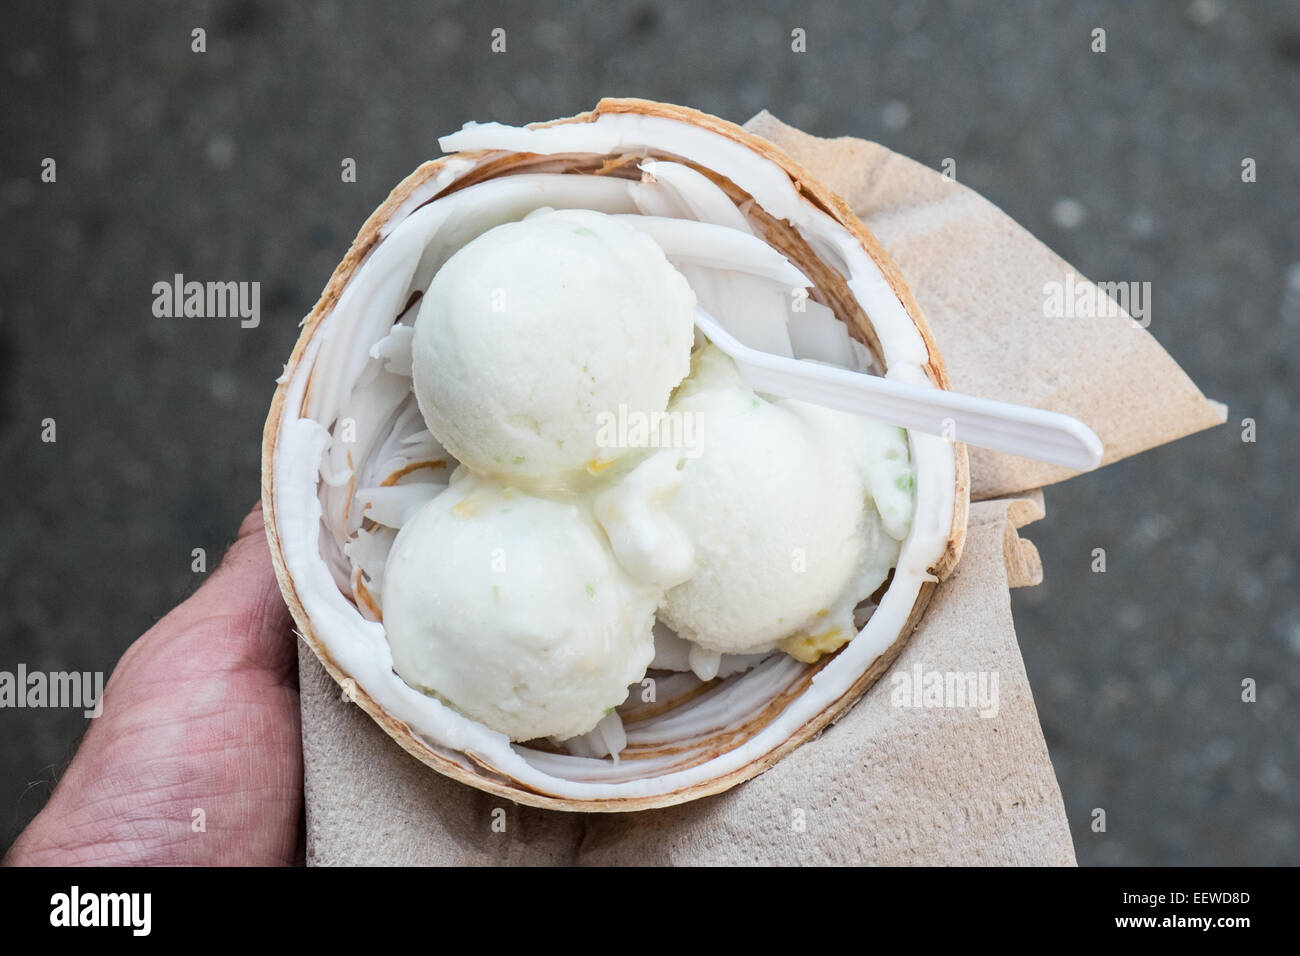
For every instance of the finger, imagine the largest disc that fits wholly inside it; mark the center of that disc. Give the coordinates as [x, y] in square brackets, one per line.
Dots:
[236, 620]
[254, 522]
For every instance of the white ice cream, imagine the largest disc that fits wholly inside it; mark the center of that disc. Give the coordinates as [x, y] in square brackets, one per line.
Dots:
[649, 543]
[534, 329]
[512, 609]
[531, 611]
[779, 508]
[882, 455]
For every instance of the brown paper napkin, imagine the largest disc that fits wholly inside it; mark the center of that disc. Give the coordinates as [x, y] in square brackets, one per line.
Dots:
[886, 785]
[894, 781]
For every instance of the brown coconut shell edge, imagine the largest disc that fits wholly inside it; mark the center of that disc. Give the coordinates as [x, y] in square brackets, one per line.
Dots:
[496, 783]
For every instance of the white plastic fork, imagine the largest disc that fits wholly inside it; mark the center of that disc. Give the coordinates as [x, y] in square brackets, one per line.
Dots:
[1002, 426]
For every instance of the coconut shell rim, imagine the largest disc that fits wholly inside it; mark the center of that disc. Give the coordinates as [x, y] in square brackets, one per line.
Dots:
[369, 236]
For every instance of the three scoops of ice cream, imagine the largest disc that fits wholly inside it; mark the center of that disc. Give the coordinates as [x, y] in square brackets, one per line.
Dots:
[613, 474]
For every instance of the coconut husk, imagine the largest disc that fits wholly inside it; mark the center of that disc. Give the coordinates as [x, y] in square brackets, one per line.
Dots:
[672, 754]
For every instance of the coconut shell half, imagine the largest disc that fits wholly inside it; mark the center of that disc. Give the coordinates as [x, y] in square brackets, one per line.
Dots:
[344, 450]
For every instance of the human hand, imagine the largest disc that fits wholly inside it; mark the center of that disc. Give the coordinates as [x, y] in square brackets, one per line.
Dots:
[200, 726]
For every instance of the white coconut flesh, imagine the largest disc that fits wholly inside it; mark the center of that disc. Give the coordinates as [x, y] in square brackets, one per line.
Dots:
[353, 458]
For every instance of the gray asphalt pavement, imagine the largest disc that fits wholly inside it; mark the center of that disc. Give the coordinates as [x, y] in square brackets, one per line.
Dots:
[225, 164]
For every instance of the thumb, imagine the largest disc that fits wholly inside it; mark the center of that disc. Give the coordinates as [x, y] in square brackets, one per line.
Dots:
[244, 591]
[237, 619]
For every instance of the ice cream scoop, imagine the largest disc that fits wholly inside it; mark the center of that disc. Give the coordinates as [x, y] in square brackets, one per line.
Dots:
[512, 609]
[778, 505]
[532, 331]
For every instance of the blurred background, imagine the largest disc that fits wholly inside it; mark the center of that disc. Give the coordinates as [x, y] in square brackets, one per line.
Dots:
[226, 165]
